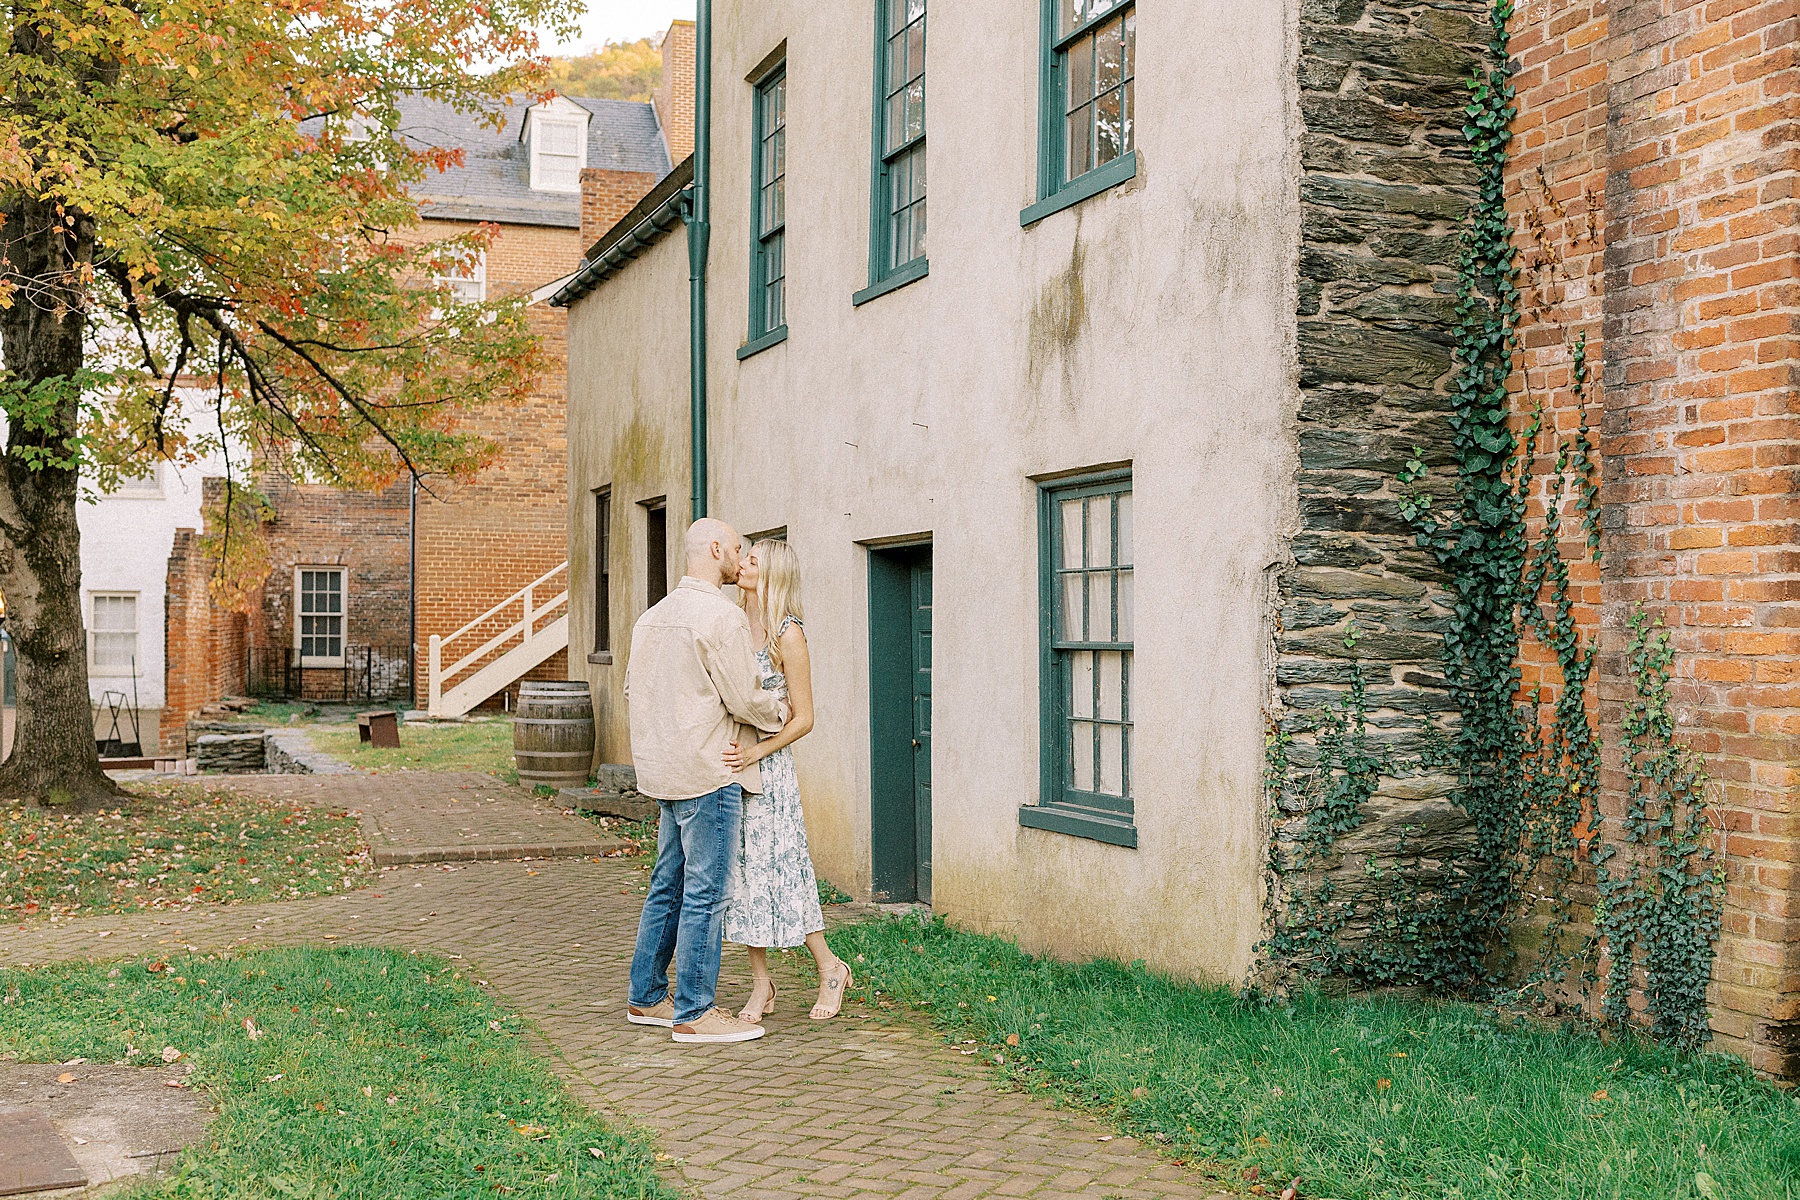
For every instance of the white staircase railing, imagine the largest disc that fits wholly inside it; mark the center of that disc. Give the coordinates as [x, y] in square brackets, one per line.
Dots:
[541, 630]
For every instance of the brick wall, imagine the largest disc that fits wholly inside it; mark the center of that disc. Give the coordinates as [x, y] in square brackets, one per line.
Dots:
[481, 541]
[606, 196]
[1653, 178]
[205, 644]
[368, 534]
[675, 96]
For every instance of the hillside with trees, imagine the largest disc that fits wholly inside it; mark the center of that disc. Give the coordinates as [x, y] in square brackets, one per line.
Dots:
[616, 71]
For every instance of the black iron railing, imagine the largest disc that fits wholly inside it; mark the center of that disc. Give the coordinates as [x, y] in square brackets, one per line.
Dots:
[365, 673]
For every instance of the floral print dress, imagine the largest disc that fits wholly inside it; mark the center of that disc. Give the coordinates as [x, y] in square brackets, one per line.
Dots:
[771, 893]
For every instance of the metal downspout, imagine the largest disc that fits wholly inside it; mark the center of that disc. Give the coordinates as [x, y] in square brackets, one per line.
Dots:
[699, 235]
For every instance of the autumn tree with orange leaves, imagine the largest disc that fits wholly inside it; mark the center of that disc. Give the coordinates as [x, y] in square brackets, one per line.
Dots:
[209, 195]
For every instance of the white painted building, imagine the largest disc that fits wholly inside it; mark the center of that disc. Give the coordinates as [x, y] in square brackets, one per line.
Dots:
[126, 538]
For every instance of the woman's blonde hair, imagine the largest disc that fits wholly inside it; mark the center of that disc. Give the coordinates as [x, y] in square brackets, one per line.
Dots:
[778, 596]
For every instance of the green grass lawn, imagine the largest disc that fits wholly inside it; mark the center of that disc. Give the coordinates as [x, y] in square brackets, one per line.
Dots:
[475, 746]
[172, 846]
[1361, 1100]
[335, 1073]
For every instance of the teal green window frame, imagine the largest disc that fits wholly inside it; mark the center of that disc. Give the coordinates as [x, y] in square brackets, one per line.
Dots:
[1064, 807]
[1055, 192]
[904, 158]
[768, 188]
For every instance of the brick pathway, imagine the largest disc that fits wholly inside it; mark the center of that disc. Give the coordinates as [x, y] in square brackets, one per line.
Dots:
[870, 1104]
[411, 817]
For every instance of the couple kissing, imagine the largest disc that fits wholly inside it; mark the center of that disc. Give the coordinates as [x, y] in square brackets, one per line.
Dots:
[717, 695]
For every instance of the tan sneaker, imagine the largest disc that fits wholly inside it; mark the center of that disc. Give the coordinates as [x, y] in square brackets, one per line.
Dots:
[717, 1026]
[661, 1013]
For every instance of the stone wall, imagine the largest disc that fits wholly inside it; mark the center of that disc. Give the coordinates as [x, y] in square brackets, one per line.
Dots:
[1385, 183]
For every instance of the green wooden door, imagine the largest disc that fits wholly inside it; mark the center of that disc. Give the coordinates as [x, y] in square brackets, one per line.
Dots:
[900, 723]
[921, 707]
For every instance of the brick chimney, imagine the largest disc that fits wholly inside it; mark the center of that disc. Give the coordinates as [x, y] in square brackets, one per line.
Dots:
[606, 196]
[675, 97]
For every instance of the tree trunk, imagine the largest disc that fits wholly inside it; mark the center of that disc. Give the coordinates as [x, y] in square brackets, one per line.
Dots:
[54, 760]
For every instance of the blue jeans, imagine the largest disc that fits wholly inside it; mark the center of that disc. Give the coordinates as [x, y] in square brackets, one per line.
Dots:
[684, 914]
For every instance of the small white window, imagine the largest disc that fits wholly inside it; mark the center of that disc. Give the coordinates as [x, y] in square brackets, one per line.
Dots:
[558, 152]
[468, 286]
[141, 487]
[113, 633]
[319, 616]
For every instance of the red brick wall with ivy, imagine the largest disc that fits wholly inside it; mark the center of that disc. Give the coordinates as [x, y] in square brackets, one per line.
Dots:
[1653, 184]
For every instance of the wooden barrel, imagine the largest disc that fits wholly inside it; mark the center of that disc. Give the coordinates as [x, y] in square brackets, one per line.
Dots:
[553, 734]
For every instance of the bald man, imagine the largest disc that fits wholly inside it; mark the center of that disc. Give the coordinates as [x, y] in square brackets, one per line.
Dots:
[693, 687]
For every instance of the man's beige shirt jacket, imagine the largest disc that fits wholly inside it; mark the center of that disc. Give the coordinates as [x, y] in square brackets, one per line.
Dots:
[693, 687]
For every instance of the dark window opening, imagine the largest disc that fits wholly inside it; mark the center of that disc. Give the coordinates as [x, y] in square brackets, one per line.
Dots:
[656, 550]
[603, 570]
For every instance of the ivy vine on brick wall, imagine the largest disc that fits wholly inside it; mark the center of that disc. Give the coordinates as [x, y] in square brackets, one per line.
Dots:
[1643, 920]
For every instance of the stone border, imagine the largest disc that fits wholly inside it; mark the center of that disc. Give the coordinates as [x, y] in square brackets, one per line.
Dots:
[291, 752]
[403, 856]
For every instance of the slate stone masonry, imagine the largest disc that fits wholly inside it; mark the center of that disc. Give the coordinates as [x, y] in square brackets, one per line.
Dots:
[1385, 183]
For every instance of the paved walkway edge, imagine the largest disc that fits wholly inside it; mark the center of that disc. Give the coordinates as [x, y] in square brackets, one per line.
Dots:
[431, 854]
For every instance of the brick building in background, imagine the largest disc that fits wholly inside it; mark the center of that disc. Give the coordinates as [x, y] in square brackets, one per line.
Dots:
[1653, 178]
[362, 584]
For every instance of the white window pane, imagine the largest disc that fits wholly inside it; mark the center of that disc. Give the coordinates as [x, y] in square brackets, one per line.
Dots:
[1125, 530]
[1112, 760]
[1073, 630]
[147, 483]
[1099, 590]
[1127, 621]
[1100, 531]
[1081, 754]
[1071, 533]
[558, 137]
[1111, 686]
[557, 171]
[1081, 685]
[115, 614]
[115, 649]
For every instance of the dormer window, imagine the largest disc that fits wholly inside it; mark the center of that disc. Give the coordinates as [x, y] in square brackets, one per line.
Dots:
[557, 135]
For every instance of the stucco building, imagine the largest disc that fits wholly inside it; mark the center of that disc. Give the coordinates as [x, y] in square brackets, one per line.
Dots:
[1146, 380]
[1034, 448]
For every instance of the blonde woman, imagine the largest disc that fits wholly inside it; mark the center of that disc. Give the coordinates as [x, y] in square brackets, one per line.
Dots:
[772, 895]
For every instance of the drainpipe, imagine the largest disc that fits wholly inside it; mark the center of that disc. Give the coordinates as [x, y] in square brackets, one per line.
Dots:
[699, 234]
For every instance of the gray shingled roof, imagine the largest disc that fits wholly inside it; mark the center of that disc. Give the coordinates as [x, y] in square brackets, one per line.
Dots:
[494, 184]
